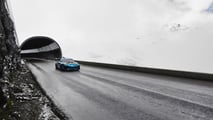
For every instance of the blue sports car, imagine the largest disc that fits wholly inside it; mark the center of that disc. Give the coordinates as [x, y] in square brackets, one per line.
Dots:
[67, 64]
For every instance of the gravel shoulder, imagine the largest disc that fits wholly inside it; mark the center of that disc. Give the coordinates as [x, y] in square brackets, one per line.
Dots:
[23, 98]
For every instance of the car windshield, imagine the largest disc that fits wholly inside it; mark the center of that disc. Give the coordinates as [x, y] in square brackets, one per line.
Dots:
[67, 60]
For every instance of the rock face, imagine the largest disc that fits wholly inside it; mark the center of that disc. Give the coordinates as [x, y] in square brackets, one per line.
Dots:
[9, 51]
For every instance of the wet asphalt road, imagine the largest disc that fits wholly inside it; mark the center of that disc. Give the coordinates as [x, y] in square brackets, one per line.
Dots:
[107, 94]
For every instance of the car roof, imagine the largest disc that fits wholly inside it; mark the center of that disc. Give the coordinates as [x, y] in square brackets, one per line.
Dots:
[66, 59]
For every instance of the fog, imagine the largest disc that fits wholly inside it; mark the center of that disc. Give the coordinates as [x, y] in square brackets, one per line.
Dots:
[170, 34]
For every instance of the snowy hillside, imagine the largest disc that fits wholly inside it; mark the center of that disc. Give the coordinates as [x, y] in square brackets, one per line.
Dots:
[172, 34]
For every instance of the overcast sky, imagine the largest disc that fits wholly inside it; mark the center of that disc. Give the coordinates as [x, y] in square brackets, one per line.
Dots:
[174, 34]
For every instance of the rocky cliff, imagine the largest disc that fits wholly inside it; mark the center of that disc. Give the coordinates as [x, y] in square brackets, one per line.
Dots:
[9, 51]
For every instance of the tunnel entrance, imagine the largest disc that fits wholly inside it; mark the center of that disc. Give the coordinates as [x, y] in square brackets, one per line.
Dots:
[40, 47]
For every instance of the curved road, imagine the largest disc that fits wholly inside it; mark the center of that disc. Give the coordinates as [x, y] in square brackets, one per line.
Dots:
[96, 93]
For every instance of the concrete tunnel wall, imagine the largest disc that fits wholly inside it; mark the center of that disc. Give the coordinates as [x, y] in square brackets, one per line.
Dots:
[40, 47]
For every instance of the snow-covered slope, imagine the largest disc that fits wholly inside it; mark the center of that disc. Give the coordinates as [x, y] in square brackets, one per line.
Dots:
[173, 34]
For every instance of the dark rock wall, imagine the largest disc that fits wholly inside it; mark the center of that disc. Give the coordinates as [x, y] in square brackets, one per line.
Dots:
[9, 52]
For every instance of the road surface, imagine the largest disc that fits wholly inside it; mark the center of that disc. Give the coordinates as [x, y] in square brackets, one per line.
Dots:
[96, 93]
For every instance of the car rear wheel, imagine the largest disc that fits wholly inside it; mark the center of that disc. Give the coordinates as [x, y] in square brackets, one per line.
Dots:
[56, 67]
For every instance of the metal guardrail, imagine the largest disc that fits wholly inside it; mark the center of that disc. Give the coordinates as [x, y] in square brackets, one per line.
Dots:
[167, 72]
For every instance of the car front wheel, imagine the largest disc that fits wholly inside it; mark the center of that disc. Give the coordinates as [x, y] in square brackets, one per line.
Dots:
[62, 67]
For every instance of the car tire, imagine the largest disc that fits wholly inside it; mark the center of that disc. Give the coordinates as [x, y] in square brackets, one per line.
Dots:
[56, 67]
[62, 67]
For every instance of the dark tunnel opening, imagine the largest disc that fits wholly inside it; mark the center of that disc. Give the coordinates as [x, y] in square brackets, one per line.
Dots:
[40, 47]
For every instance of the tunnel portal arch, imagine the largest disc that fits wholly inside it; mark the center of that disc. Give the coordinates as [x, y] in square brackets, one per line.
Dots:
[40, 47]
